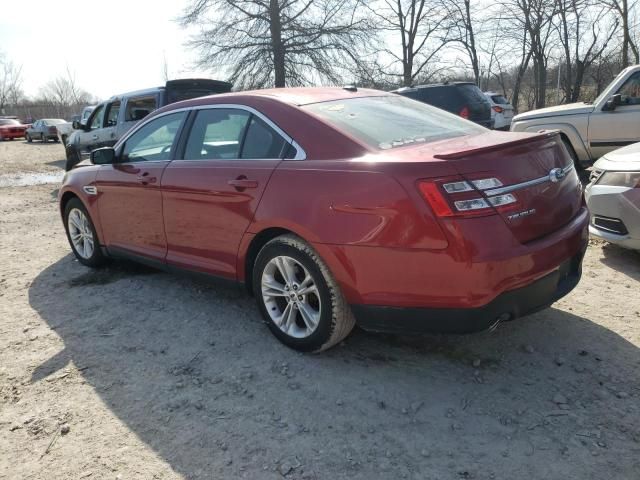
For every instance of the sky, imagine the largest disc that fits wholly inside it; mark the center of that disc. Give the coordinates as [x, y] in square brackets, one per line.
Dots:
[111, 46]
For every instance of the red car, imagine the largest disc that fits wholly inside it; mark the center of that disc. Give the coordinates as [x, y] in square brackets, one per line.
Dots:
[11, 128]
[339, 206]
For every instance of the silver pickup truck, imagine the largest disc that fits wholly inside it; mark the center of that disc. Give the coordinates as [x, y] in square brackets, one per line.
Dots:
[589, 130]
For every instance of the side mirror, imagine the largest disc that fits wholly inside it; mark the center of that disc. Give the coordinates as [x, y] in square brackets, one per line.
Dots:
[613, 102]
[103, 156]
[76, 125]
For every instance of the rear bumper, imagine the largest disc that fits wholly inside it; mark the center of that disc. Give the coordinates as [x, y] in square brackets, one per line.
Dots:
[12, 135]
[508, 306]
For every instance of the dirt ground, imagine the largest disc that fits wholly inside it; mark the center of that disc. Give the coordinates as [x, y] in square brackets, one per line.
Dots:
[129, 373]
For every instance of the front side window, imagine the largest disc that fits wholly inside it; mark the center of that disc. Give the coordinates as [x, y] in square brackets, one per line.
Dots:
[155, 140]
[404, 121]
[630, 91]
[140, 107]
[216, 133]
[112, 115]
[97, 118]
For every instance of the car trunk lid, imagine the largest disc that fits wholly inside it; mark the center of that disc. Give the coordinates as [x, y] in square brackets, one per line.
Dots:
[537, 170]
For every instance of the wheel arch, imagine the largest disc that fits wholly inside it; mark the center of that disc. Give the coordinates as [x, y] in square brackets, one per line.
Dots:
[338, 266]
[569, 133]
[256, 243]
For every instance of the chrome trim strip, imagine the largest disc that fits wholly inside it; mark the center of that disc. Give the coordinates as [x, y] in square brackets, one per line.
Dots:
[529, 183]
[301, 154]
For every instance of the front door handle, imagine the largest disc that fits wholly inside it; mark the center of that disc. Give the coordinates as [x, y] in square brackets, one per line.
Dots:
[145, 179]
[242, 182]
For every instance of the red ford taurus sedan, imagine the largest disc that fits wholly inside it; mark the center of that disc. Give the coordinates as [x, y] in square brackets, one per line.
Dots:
[337, 206]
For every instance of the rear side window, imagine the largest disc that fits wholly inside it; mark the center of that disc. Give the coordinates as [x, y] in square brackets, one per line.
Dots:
[499, 99]
[262, 141]
[229, 134]
[217, 133]
[392, 121]
[140, 107]
[472, 93]
[155, 140]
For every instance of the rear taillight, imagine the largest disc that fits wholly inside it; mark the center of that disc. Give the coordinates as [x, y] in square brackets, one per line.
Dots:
[497, 109]
[52, 130]
[464, 113]
[453, 197]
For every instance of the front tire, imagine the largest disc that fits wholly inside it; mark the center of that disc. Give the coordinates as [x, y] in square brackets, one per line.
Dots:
[82, 234]
[28, 138]
[298, 297]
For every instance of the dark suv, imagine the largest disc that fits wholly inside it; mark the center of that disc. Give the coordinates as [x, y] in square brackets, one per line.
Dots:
[113, 118]
[461, 98]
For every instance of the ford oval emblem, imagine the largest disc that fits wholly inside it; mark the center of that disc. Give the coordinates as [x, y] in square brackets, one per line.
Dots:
[556, 174]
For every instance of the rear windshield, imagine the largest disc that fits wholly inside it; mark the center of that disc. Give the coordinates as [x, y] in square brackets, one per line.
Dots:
[8, 121]
[392, 121]
[53, 121]
[499, 99]
[472, 93]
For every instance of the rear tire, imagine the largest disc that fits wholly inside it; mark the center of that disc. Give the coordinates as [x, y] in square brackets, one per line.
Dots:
[82, 234]
[298, 297]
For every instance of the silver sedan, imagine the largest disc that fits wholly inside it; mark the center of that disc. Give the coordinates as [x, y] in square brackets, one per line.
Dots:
[613, 197]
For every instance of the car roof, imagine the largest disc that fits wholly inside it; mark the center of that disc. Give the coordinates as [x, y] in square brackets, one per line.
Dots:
[296, 95]
[432, 85]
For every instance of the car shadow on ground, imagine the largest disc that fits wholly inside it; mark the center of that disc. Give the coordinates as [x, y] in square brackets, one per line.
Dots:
[190, 368]
[57, 163]
[622, 259]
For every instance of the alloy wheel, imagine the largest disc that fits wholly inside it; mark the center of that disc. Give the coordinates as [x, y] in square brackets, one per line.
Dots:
[81, 233]
[291, 296]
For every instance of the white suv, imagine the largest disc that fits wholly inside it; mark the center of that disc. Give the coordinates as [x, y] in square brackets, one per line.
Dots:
[501, 110]
[590, 130]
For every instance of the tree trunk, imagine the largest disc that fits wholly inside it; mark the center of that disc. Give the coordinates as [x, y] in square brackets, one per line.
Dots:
[275, 25]
[472, 43]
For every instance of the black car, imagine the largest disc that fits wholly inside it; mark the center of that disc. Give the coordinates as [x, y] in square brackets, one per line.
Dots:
[113, 118]
[461, 98]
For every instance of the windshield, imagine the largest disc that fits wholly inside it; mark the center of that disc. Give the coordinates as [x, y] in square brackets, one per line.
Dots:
[53, 121]
[8, 121]
[392, 121]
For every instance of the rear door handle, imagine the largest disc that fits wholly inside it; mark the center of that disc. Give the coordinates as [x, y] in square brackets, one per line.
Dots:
[95, 137]
[145, 179]
[242, 182]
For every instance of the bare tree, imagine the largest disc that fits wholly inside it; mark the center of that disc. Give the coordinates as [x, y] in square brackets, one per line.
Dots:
[461, 20]
[165, 67]
[10, 83]
[624, 9]
[418, 26]
[64, 91]
[585, 29]
[279, 42]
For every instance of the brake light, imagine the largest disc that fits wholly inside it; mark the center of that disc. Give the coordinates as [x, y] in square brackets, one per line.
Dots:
[52, 130]
[497, 109]
[464, 113]
[458, 197]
